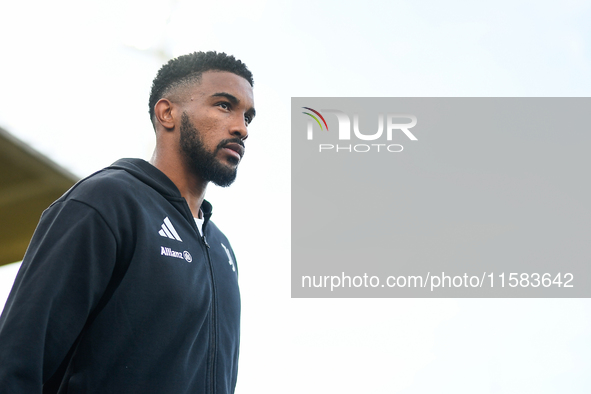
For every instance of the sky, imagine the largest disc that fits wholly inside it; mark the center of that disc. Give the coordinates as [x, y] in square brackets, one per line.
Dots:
[74, 84]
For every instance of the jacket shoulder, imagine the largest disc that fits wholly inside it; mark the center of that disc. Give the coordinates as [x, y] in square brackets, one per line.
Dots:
[115, 194]
[104, 186]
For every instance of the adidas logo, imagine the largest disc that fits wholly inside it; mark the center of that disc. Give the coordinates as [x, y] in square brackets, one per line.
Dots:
[168, 231]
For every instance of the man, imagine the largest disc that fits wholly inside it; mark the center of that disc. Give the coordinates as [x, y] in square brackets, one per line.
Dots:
[127, 286]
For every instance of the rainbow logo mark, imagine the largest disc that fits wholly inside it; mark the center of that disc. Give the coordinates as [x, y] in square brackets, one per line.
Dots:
[315, 118]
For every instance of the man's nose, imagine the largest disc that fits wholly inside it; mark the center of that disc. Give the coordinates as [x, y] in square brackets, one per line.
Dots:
[240, 129]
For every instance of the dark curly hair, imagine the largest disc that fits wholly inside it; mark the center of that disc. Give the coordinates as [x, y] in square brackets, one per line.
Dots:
[188, 68]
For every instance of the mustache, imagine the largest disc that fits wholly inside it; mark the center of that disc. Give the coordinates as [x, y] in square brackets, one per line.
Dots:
[225, 142]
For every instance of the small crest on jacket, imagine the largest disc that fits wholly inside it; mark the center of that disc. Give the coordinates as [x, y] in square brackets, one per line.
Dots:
[230, 261]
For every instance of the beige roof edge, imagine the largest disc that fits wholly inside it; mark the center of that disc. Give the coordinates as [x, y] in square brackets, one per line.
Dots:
[37, 155]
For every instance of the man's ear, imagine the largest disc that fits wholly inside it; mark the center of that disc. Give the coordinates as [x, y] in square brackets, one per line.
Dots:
[163, 114]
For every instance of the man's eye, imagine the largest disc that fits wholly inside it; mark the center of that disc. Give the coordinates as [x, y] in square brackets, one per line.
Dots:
[248, 119]
[224, 105]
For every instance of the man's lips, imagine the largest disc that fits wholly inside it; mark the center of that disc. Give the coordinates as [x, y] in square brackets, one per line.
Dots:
[239, 149]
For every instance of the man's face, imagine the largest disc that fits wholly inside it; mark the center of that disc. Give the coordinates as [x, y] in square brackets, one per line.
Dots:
[214, 125]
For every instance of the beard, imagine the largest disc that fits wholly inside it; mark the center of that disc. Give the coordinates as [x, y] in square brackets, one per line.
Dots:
[202, 162]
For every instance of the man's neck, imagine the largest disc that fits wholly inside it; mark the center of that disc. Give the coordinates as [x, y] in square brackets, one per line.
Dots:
[191, 186]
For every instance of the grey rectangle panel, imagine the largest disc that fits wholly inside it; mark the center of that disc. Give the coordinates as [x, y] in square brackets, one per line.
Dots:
[454, 197]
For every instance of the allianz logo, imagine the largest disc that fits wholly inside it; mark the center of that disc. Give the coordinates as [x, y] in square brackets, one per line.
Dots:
[164, 251]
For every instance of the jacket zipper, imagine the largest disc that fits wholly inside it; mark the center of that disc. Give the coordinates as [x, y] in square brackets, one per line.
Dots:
[213, 324]
[213, 317]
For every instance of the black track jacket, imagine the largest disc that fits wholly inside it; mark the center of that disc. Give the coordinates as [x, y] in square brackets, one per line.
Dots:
[119, 293]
